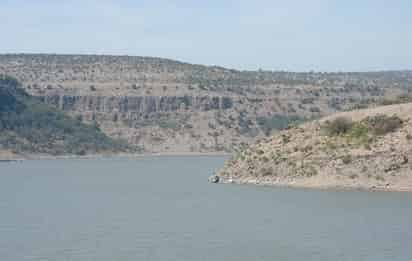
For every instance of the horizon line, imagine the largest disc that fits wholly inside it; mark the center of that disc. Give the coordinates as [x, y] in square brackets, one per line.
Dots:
[199, 64]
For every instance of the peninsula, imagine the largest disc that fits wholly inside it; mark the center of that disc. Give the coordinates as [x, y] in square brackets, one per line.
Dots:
[367, 149]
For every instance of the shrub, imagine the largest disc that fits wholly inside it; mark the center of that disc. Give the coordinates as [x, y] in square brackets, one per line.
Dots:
[347, 159]
[338, 126]
[308, 100]
[382, 124]
[277, 122]
[314, 109]
[359, 133]
[367, 146]
[310, 171]
[267, 171]
[260, 152]
[358, 130]
[285, 138]
[169, 124]
[379, 178]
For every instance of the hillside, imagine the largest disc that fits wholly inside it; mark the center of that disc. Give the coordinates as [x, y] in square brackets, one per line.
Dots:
[27, 126]
[363, 149]
[169, 106]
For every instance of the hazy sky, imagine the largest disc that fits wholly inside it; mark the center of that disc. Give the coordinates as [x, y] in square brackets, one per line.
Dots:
[298, 35]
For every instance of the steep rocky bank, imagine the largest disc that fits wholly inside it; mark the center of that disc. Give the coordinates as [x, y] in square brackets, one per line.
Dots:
[364, 149]
[168, 106]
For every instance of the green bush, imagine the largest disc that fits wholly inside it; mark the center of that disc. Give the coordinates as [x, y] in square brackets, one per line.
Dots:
[338, 126]
[365, 131]
[358, 131]
[277, 122]
[346, 159]
[169, 124]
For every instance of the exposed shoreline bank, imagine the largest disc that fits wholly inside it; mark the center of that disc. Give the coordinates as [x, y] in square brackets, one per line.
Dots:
[384, 187]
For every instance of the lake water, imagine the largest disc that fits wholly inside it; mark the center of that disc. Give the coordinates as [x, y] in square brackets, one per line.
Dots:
[163, 208]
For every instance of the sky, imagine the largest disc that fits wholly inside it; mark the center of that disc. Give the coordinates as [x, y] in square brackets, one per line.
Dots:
[292, 35]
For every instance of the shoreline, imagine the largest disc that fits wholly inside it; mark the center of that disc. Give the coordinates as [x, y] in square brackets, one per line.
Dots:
[320, 187]
[23, 157]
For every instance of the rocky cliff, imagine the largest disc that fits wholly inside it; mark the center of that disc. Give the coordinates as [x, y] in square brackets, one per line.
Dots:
[169, 106]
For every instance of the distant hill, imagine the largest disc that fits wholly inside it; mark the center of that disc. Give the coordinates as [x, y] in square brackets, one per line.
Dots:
[176, 107]
[27, 126]
[362, 149]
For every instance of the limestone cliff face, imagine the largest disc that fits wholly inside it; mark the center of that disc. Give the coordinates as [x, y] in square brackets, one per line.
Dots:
[138, 104]
[170, 106]
[158, 123]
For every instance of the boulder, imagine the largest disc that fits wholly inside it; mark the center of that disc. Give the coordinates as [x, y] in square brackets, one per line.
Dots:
[214, 179]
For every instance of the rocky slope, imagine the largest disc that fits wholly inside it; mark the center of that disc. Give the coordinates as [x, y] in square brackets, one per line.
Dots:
[169, 106]
[363, 149]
